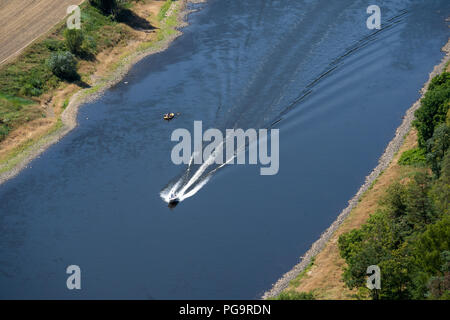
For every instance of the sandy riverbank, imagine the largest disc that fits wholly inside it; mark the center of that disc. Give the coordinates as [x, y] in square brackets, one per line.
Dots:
[68, 119]
[384, 161]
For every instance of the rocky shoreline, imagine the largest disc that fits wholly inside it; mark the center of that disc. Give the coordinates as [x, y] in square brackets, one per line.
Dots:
[69, 116]
[383, 163]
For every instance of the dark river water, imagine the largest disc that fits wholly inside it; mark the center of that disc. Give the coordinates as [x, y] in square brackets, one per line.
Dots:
[93, 199]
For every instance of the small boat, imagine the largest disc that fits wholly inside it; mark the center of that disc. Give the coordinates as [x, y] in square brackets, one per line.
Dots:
[169, 116]
[173, 202]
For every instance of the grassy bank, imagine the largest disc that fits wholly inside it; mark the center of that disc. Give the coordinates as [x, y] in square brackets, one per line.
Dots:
[30, 77]
[32, 97]
[400, 224]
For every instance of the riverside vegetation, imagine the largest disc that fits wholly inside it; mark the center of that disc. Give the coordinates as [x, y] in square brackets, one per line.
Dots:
[409, 236]
[36, 86]
[47, 63]
[400, 223]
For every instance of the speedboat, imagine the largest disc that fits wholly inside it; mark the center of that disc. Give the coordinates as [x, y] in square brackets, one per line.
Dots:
[173, 202]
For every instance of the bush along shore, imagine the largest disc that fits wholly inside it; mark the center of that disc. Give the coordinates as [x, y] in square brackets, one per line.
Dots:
[42, 89]
[407, 236]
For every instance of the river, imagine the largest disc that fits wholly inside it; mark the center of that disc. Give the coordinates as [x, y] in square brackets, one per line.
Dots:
[93, 199]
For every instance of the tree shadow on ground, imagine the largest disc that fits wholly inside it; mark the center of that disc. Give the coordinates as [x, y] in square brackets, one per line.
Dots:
[86, 55]
[81, 83]
[133, 20]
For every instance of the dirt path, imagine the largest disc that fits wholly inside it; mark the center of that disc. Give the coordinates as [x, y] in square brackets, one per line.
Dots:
[23, 21]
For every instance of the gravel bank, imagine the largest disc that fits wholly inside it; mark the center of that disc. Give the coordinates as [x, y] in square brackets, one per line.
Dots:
[383, 163]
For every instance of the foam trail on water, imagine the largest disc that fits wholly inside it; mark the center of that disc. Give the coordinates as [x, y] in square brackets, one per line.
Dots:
[180, 189]
[195, 189]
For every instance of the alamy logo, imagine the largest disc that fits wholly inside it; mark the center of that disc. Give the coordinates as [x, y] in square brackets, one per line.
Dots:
[374, 279]
[74, 19]
[374, 21]
[74, 280]
[225, 149]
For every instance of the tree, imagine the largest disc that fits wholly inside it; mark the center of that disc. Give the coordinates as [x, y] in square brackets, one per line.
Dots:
[63, 65]
[431, 244]
[439, 286]
[396, 200]
[74, 40]
[437, 146]
[397, 273]
[420, 209]
[440, 192]
[434, 107]
[370, 245]
[107, 6]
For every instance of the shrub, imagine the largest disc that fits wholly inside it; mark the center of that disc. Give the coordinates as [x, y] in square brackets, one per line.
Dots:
[4, 130]
[434, 108]
[441, 189]
[54, 44]
[111, 7]
[443, 78]
[89, 45]
[292, 295]
[63, 65]
[437, 146]
[31, 86]
[165, 7]
[413, 157]
[74, 40]
[431, 244]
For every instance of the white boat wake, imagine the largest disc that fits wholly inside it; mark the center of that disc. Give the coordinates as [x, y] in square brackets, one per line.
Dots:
[187, 186]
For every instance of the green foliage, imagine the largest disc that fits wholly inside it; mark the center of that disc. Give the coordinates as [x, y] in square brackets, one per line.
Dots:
[65, 103]
[32, 86]
[106, 6]
[54, 44]
[110, 7]
[439, 80]
[165, 7]
[29, 76]
[431, 243]
[100, 31]
[63, 65]
[15, 111]
[432, 257]
[440, 192]
[44, 64]
[4, 130]
[440, 285]
[409, 237]
[370, 245]
[434, 107]
[405, 239]
[74, 40]
[419, 208]
[293, 295]
[437, 146]
[89, 45]
[447, 119]
[396, 200]
[413, 157]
